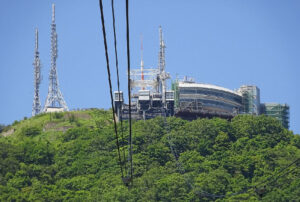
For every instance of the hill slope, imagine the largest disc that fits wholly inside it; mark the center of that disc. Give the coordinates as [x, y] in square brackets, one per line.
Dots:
[72, 156]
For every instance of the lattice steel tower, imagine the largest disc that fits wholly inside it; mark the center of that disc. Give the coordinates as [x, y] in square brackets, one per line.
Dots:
[163, 75]
[55, 98]
[36, 106]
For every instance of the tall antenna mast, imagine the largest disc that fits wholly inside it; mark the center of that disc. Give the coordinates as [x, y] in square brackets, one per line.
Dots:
[162, 46]
[55, 98]
[142, 62]
[163, 75]
[36, 107]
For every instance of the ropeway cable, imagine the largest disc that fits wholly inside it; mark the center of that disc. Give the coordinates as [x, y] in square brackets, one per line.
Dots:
[129, 89]
[110, 86]
[117, 70]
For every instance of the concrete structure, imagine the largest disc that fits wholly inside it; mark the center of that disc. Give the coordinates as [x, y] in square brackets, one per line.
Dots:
[54, 109]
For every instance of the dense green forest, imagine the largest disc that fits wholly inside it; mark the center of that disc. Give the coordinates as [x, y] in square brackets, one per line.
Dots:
[72, 156]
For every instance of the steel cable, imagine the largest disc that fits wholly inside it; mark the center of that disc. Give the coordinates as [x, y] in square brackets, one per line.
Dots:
[117, 70]
[129, 89]
[110, 86]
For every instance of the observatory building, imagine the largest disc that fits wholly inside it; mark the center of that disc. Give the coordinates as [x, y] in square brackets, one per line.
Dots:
[193, 100]
[188, 99]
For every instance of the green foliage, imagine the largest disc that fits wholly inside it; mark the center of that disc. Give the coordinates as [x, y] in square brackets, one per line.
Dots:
[31, 131]
[15, 122]
[58, 115]
[73, 157]
[2, 126]
[72, 118]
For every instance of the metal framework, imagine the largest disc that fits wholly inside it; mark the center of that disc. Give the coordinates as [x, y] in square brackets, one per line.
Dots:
[163, 75]
[279, 111]
[144, 78]
[55, 98]
[36, 107]
[152, 79]
[251, 99]
[150, 97]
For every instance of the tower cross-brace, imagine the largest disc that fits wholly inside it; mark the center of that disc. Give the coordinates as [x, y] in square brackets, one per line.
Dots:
[55, 98]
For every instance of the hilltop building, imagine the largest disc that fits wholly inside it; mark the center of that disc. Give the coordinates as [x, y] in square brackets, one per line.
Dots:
[188, 99]
[193, 100]
[150, 97]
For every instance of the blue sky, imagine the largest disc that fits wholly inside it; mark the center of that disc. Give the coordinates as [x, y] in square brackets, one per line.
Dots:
[227, 43]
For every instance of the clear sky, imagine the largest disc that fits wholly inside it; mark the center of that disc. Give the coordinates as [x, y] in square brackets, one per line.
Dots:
[222, 42]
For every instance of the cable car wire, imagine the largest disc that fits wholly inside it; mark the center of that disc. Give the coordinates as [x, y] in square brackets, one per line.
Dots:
[117, 70]
[129, 89]
[171, 144]
[110, 85]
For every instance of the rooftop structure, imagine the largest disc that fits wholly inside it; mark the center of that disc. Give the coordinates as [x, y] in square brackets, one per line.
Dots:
[150, 96]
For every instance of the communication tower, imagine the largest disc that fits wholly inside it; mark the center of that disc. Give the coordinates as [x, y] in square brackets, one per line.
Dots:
[55, 100]
[163, 75]
[36, 107]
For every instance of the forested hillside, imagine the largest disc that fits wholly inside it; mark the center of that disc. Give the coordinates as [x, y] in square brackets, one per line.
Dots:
[72, 156]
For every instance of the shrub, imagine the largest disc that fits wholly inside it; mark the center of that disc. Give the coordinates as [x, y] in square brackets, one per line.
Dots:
[2, 126]
[72, 118]
[31, 131]
[57, 115]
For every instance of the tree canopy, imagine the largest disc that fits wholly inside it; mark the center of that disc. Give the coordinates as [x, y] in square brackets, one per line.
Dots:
[72, 156]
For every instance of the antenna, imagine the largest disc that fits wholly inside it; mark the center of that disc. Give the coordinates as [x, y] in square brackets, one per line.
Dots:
[54, 98]
[36, 106]
[36, 40]
[163, 75]
[142, 61]
[53, 13]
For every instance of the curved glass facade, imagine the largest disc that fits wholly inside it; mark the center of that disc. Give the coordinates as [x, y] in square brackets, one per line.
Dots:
[211, 99]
